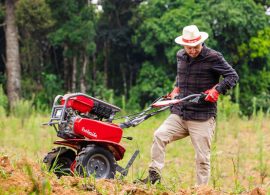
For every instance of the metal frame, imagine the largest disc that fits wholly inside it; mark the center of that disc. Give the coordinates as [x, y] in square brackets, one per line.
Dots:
[56, 106]
[139, 118]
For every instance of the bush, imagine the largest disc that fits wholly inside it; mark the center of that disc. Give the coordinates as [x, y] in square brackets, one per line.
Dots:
[51, 86]
[23, 109]
[99, 90]
[152, 83]
[227, 109]
[3, 102]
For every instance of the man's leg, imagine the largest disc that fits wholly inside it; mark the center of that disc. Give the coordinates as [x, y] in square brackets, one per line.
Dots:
[173, 128]
[201, 134]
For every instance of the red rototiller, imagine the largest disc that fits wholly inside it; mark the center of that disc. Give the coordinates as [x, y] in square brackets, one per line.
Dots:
[90, 142]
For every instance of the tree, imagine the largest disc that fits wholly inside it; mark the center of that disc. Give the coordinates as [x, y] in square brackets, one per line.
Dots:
[12, 55]
[234, 23]
[74, 32]
[118, 54]
[230, 24]
[255, 69]
[2, 41]
[159, 23]
[152, 82]
[34, 20]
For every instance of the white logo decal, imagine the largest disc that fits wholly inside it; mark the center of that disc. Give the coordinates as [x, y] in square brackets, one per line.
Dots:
[93, 134]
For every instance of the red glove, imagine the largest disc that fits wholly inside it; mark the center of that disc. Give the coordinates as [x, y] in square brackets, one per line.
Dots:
[212, 95]
[174, 93]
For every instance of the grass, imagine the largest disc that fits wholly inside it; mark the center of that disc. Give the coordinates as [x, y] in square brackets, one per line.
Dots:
[238, 159]
[239, 151]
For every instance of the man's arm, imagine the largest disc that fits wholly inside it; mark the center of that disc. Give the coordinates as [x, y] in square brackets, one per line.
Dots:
[223, 68]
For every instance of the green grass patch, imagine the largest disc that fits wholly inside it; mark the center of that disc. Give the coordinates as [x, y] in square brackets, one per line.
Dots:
[239, 152]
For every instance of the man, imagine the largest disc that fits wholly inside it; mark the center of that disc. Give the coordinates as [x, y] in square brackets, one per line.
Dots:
[198, 70]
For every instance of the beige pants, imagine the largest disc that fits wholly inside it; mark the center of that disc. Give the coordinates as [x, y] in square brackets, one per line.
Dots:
[174, 128]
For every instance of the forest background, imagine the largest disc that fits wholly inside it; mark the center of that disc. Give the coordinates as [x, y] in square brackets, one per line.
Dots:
[123, 51]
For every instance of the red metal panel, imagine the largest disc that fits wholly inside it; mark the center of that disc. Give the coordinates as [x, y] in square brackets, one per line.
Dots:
[81, 103]
[93, 129]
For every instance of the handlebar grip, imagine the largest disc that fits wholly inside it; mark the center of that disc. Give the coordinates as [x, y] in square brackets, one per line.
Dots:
[203, 96]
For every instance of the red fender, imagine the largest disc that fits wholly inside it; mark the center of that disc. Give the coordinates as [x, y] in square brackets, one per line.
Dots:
[116, 149]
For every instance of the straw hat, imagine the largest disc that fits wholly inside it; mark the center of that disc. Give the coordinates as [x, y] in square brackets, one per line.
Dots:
[191, 36]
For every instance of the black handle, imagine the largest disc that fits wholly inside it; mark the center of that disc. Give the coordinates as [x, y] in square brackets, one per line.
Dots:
[128, 138]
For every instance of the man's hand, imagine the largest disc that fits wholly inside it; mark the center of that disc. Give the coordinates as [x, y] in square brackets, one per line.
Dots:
[212, 95]
[174, 93]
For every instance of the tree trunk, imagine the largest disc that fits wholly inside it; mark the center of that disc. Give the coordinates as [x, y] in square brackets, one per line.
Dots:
[123, 71]
[12, 53]
[74, 73]
[66, 69]
[105, 50]
[94, 74]
[82, 81]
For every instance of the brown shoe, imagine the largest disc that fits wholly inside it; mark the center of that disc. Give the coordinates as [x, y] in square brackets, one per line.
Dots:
[152, 178]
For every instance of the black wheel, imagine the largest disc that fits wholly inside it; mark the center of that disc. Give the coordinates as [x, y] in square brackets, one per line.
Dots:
[96, 161]
[59, 160]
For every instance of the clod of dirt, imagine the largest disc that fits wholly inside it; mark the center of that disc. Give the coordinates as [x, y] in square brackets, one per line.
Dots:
[134, 190]
[88, 187]
[5, 165]
[258, 191]
[206, 190]
[200, 190]
[183, 192]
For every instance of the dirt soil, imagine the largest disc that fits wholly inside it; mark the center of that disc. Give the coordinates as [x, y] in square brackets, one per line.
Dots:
[25, 177]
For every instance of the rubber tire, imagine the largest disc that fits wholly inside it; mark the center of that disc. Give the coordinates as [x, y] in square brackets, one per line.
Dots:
[96, 156]
[65, 158]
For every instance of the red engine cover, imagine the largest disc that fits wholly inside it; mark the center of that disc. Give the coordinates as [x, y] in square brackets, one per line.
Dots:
[94, 129]
[80, 103]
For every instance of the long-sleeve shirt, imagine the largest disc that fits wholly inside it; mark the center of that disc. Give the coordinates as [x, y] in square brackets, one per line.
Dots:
[196, 75]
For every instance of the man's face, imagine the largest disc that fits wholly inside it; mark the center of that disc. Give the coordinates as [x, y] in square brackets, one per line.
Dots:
[193, 51]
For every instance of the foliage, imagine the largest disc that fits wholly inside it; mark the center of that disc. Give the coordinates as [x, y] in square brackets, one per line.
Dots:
[2, 13]
[42, 94]
[230, 18]
[34, 16]
[119, 58]
[74, 33]
[100, 91]
[254, 87]
[163, 22]
[34, 19]
[160, 25]
[22, 110]
[152, 83]
[3, 102]
[227, 109]
[109, 50]
[259, 46]
[77, 30]
[255, 78]
[51, 86]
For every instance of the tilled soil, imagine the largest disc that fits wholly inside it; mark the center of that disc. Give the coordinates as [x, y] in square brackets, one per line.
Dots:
[25, 177]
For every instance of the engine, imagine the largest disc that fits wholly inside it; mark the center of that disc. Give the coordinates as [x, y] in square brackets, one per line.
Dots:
[80, 116]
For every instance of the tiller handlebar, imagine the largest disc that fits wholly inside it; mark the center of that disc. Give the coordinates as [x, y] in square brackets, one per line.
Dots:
[161, 104]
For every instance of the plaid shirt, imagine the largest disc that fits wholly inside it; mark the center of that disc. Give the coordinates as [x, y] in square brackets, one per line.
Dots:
[196, 75]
